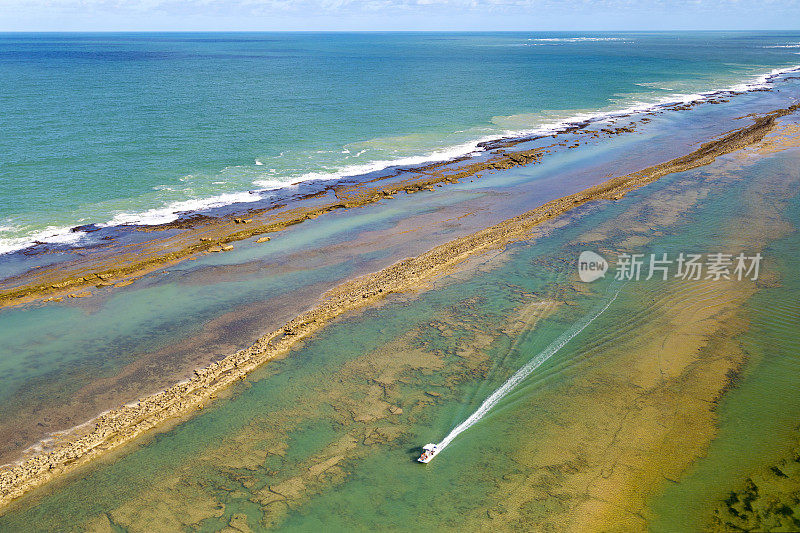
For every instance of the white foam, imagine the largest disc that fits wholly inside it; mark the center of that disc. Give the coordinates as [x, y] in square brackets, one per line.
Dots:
[471, 148]
[50, 235]
[271, 185]
[762, 81]
[578, 39]
[444, 154]
[172, 211]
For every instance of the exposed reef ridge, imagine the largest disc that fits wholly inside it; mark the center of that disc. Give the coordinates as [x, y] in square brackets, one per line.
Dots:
[109, 265]
[120, 426]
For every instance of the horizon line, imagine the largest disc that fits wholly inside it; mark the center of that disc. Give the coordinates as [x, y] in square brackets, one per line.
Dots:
[708, 30]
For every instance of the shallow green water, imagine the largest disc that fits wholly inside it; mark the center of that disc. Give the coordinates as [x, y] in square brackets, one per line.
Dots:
[256, 456]
[758, 418]
[306, 385]
[50, 352]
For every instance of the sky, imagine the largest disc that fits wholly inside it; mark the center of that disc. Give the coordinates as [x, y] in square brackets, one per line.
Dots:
[399, 15]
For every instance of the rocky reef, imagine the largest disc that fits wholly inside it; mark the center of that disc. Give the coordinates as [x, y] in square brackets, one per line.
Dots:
[768, 500]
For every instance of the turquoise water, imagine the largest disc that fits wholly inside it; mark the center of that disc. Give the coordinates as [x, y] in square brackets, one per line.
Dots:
[438, 356]
[255, 457]
[170, 322]
[137, 127]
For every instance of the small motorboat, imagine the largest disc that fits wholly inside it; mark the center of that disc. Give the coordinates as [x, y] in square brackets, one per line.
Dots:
[429, 451]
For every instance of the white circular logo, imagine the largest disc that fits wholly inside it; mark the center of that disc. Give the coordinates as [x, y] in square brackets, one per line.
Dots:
[591, 266]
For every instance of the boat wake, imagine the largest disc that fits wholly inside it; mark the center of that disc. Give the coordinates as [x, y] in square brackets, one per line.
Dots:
[522, 373]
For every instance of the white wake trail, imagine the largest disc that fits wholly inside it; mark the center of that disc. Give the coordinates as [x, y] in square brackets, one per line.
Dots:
[522, 373]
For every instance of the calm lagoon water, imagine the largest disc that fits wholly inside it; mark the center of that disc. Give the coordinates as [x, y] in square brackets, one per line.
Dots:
[317, 440]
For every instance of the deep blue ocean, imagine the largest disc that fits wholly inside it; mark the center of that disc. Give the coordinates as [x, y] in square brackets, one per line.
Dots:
[133, 128]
